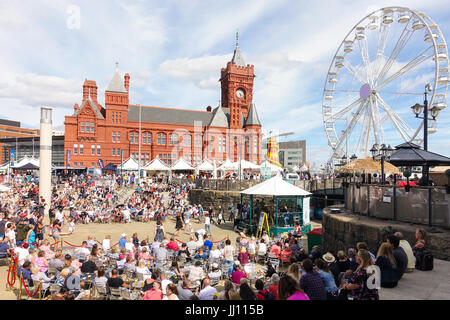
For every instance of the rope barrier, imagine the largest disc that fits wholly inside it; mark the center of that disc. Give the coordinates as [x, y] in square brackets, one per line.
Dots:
[26, 290]
[72, 245]
[180, 241]
[13, 270]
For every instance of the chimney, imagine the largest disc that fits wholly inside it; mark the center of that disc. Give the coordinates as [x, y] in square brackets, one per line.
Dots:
[90, 86]
[208, 108]
[75, 107]
[127, 81]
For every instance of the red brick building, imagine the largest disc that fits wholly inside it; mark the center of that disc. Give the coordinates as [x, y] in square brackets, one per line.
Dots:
[231, 130]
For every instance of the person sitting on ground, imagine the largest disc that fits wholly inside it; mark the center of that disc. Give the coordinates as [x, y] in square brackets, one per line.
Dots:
[243, 256]
[286, 253]
[208, 292]
[273, 287]
[215, 272]
[401, 259]
[387, 264]
[311, 282]
[408, 250]
[314, 254]
[145, 255]
[237, 274]
[357, 287]
[246, 292]
[225, 293]
[288, 289]
[351, 253]
[363, 246]
[294, 271]
[262, 294]
[302, 255]
[207, 242]
[201, 254]
[214, 254]
[327, 278]
[420, 240]
[275, 250]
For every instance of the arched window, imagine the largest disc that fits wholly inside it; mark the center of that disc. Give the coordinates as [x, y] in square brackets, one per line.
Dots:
[146, 138]
[161, 138]
[173, 139]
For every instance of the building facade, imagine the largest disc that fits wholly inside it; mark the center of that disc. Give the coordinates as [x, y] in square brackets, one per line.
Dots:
[29, 147]
[114, 132]
[12, 130]
[292, 153]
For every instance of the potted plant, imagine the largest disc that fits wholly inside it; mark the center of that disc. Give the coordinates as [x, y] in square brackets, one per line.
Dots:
[447, 186]
[407, 174]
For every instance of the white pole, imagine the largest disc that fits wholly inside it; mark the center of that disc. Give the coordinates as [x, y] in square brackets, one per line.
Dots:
[139, 160]
[45, 155]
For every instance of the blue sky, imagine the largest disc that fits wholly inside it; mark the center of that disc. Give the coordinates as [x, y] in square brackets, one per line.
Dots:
[174, 50]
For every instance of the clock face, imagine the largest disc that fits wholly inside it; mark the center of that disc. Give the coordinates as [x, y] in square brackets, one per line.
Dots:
[239, 93]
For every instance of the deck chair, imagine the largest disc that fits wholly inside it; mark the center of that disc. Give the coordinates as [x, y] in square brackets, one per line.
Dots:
[114, 294]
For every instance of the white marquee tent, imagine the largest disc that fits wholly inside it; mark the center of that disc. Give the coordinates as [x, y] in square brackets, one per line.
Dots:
[181, 165]
[277, 187]
[205, 166]
[228, 165]
[131, 165]
[267, 164]
[156, 165]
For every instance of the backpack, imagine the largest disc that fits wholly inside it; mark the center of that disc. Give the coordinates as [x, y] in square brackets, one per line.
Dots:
[267, 295]
[424, 260]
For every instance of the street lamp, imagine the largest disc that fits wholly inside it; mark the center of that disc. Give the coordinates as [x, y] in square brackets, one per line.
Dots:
[353, 157]
[384, 153]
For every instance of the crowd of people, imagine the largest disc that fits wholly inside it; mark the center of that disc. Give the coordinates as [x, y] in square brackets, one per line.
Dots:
[165, 268]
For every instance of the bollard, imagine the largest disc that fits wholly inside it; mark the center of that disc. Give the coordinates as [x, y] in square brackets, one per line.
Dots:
[40, 289]
[20, 287]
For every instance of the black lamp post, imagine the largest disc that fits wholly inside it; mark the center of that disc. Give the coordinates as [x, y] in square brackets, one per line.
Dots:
[434, 112]
[383, 153]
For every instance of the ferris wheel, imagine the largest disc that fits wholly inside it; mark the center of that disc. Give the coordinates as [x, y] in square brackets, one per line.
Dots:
[379, 71]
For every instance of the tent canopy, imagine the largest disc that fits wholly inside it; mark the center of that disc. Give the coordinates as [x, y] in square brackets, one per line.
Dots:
[28, 166]
[228, 165]
[266, 163]
[110, 167]
[248, 165]
[26, 160]
[369, 166]
[205, 166]
[410, 154]
[181, 165]
[276, 186]
[130, 164]
[156, 165]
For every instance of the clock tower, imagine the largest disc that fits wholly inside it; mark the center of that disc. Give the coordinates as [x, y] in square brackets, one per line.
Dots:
[237, 87]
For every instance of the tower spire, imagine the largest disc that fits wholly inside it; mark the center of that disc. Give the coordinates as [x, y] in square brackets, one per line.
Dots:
[117, 66]
[237, 38]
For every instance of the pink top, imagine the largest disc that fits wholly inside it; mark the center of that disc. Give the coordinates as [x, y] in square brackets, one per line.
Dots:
[153, 295]
[237, 275]
[299, 296]
[41, 263]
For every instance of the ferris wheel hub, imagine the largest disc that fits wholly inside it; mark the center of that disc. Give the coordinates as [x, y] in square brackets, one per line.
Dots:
[365, 91]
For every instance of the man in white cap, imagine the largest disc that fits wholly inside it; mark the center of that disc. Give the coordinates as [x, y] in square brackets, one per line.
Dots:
[215, 272]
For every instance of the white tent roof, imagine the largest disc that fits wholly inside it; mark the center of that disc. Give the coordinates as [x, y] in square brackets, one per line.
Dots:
[295, 168]
[248, 165]
[4, 188]
[205, 166]
[228, 165]
[276, 186]
[156, 165]
[130, 164]
[270, 165]
[25, 160]
[181, 164]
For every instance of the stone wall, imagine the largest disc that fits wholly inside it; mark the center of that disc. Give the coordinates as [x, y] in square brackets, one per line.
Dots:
[343, 230]
[216, 198]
